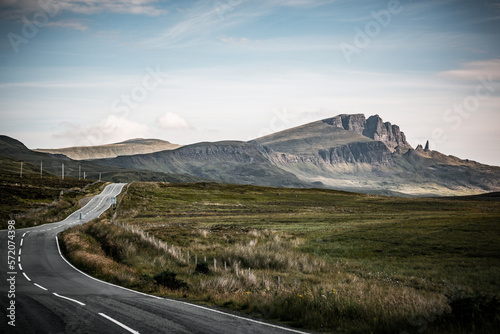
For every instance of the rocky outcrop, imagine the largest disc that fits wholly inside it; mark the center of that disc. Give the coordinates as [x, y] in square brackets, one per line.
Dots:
[373, 128]
[375, 153]
[229, 151]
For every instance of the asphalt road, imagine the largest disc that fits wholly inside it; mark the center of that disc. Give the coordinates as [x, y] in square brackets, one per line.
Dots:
[43, 293]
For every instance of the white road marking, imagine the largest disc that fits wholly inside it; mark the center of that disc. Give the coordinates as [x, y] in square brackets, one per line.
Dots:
[20, 268]
[118, 323]
[21, 244]
[237, 317]
[39, 286]
[29, 280]
[18, 259]
[24, 234]
[70, 299]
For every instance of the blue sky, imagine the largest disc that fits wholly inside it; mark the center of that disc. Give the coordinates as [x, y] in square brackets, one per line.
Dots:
[94, 72]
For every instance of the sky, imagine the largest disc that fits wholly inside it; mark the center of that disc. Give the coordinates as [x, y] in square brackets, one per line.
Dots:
[91, 72]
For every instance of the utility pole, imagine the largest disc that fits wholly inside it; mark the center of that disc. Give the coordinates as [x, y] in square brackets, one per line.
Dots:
[84, 176]
[41, 168]
[21, 169]
[62, 174]
[99, 176]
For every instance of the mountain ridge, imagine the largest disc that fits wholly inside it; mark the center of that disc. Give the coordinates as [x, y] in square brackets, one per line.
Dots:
[127, 147]
[344, 152]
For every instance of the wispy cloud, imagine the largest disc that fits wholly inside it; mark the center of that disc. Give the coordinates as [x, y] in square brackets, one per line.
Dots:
[474, 70]
[68, 25]
[204, 19]
[18, 9]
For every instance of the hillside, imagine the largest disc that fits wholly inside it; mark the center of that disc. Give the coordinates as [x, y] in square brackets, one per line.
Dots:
[14, 149]
[129, 147]
[228, 161]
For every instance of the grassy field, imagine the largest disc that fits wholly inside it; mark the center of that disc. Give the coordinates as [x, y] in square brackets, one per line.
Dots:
[33, 200]
[322, 260]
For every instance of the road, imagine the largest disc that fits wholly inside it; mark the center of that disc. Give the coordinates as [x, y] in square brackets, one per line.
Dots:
[51, 296]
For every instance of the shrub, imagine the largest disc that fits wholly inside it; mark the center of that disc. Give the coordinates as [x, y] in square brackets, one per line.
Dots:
[202, 267]
[168, 279]
[477, 306]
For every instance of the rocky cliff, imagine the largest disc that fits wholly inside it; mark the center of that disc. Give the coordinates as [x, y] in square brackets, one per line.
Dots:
[373, 128]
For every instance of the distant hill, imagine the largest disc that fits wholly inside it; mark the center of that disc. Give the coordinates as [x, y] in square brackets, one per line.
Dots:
[17, 151]
[129, 147]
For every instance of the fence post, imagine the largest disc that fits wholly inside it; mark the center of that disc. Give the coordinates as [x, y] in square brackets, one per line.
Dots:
[263, 281]
[215, 264]
[225, 267]
[188, 257]
[195, 260]
[279, 282]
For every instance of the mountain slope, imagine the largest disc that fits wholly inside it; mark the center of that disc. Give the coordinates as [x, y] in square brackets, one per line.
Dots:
[229, 161]
[129, 147]
[14, 149]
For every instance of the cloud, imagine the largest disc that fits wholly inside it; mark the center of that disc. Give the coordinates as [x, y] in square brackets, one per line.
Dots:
[172, 121]
[68, 25]
[474, 70]
[17, 9]
[111, 130]
[204, 18]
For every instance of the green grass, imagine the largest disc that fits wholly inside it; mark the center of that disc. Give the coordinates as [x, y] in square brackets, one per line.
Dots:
[347, 262]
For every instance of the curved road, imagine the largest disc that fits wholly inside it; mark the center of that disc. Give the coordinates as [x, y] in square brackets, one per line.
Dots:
[51, 296]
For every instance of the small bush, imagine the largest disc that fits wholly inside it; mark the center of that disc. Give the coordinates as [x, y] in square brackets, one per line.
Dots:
[168, 279]
[478, 306]
[202, 267]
